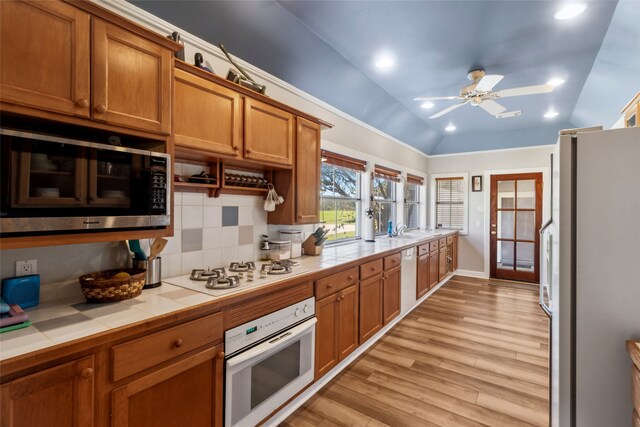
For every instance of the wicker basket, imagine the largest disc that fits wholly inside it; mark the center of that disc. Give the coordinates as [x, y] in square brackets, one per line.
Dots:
[102, 287]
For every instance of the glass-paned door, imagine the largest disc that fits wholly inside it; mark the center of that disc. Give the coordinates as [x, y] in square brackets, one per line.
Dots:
[516, 217]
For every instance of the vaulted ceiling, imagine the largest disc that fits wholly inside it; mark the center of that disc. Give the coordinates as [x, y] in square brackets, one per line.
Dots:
[328, 49]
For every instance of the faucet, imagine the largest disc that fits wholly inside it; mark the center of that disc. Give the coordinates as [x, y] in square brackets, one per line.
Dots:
[399, 230]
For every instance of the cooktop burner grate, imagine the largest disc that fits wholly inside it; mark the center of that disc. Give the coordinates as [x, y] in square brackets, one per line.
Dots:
[203, 275]
[242, 266]
[223, 282]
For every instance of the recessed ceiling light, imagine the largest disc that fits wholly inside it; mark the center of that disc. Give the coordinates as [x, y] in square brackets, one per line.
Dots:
[450, 128]
[384, 61]
[555, 82]
[550, 114]
[427, 105]
[570, 10]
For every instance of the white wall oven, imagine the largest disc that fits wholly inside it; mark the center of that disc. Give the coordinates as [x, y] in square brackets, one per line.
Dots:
[269, 361]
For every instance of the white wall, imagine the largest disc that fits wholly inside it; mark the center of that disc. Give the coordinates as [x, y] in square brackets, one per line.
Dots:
[473, 247]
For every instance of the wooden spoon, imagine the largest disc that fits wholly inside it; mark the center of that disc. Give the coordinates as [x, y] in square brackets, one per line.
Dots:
[157, 246]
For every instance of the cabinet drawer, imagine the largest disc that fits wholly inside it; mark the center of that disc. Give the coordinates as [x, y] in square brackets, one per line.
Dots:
[449, 240]
[442, 242]
[143, 353]
[433, 246]
[392, 261]
[336, 282]
[371, 269]
[423, 249]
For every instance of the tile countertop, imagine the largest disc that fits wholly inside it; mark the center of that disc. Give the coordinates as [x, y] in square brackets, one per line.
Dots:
[65, 320]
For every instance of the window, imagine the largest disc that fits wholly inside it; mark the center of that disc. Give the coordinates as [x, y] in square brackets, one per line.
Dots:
[384, 197]
[412, 201]
[449, 211]
[340, 195]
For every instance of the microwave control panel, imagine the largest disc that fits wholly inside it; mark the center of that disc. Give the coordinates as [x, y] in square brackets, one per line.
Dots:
[158, 185]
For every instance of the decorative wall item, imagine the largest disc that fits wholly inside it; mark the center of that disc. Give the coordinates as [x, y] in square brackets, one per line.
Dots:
[476, 183]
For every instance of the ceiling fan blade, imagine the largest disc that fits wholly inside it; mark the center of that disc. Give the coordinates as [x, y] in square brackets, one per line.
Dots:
[492, 107]
[436, 98]
[508, 114]
[525, 90]
[487, 82]
[446, 110]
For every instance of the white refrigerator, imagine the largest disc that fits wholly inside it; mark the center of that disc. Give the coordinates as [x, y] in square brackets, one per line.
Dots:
[590, 278]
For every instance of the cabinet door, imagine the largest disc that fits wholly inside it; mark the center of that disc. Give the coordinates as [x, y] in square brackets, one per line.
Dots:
[187, 393]
[326, 340]
[347, 332]
[60, 396]
[434, 278]
[206, 116]
[423, 275]
[268, 133]
[455, 252]
[442, 263]
[44, 51]
[307, 172]
[370, 307]
[131, 79]
[391, 296]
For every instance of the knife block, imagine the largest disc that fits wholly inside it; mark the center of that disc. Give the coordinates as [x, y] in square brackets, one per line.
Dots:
[309, 247]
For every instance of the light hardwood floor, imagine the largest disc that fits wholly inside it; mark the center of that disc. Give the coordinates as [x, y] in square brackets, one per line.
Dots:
[473, 354]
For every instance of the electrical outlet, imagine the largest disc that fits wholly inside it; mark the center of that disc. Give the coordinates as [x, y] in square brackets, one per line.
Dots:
[26, 267]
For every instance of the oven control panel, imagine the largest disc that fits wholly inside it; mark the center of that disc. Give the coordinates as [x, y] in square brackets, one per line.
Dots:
[255, 331]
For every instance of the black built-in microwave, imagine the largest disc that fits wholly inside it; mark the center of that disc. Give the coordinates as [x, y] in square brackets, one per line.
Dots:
[54, 184]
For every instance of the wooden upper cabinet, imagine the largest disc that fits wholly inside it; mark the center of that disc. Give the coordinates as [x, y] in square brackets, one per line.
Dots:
[131, 78]
[61, 396]
[268, 133]
[307, 172]
[44, 51]
[206, 116]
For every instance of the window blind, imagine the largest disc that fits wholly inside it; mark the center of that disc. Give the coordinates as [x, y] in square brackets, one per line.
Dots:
[415, 179]
[344, 161]
[386, 173]
[450, 203]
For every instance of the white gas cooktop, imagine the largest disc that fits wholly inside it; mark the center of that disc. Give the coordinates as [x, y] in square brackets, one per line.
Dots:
[200, 286]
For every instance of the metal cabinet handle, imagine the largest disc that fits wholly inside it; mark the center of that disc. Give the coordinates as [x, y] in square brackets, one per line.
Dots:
[494, 232]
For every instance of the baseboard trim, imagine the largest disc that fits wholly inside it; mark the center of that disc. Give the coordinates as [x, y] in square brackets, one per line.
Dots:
[472, 273]
[281, 415]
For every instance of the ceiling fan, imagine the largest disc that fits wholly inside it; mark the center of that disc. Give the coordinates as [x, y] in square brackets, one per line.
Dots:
[479, 93]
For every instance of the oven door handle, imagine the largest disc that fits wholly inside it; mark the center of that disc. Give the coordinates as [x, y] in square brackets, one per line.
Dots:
[273, 343]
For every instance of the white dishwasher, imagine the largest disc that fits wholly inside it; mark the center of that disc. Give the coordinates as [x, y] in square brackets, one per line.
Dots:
[408, 280]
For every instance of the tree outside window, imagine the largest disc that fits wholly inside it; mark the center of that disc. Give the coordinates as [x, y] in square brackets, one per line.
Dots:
[340, 201]
[384, 198]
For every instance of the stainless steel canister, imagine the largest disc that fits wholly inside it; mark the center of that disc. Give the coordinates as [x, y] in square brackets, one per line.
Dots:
[154, 271]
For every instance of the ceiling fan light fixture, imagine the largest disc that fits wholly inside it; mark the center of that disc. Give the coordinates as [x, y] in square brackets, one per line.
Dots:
[427, 105]
[450, 128]
[384, 61]
[551, 114]
[569, 10]
[555, 82]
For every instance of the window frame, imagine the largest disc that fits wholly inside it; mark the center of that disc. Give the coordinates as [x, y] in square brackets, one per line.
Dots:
[393, 202]
[358, 201]
[417, 203]
[465, 197]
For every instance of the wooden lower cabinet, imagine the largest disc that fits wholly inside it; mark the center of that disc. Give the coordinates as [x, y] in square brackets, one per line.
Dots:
[455, 252]
[442, 263]
[188, 392]
[434, 277]
[337, 329]
[391, 295]
[371, 292]
[422, 282]
[58, 396]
